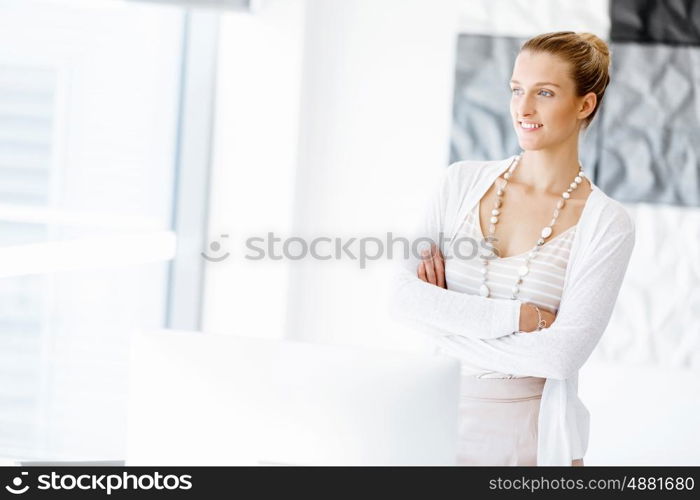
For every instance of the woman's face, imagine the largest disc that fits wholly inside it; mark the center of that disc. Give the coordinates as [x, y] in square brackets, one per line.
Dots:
[542, 92]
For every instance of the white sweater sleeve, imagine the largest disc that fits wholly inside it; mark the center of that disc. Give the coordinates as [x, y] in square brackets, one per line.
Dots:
[585, 309]
[437, 311]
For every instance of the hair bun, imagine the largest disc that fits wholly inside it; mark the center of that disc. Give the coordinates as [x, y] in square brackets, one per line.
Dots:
[596, 42]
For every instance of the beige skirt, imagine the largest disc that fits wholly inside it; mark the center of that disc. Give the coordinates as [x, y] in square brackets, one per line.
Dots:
[498, 420]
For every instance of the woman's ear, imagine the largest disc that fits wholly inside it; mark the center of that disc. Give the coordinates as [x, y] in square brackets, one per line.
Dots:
[587, 105]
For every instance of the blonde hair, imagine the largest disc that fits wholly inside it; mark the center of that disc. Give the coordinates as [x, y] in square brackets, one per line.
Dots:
[589, 56]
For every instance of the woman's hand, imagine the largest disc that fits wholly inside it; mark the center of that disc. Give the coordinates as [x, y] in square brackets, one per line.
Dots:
[432, 270]
[528, 317]
[432, 267]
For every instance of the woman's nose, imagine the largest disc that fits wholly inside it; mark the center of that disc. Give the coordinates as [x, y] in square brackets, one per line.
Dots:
[525, 106]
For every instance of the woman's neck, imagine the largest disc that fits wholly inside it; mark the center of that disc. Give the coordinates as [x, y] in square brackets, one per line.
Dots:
[548, 171]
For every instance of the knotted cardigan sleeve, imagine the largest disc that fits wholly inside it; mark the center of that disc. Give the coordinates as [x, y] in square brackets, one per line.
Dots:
[435, 310]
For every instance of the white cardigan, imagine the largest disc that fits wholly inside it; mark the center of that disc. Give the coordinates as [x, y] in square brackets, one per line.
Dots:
[485, 331]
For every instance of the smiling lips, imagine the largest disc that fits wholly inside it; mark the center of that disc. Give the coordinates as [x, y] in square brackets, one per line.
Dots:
[530, 126]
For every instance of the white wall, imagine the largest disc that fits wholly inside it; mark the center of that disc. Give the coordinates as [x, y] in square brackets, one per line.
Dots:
[641, 414]
[375, 121]
[367, 102]
[254, 162]
[642, 383]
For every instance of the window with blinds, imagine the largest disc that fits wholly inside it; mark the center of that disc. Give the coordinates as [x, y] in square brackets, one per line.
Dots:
[89, 95]
[27, 103]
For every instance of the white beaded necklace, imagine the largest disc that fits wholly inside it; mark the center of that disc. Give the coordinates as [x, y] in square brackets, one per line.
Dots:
[544, 234]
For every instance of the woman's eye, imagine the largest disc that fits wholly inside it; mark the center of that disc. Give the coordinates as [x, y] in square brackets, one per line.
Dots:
[545, 91]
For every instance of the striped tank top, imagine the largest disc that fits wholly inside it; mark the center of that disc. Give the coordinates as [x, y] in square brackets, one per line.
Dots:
[542, 286]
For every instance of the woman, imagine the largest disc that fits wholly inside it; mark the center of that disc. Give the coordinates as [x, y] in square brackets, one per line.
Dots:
[524, 312]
